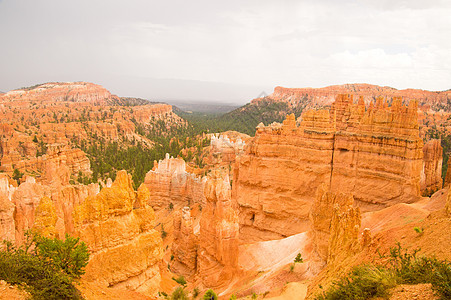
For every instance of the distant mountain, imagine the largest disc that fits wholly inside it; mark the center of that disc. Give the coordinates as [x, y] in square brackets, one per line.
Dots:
[319, 97]
[284, 101]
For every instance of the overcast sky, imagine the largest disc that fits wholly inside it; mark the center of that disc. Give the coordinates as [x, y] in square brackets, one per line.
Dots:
[224, 50]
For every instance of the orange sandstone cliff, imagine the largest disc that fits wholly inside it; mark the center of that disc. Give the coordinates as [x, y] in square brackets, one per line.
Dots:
[117, 225]
[374, 153]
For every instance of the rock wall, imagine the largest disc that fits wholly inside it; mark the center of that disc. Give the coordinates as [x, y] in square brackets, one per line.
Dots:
[373, 153]
[377, 152]
[274, 180]
[431, 176]
[117, 225]
[314, 97]
[6, 210]
[335, 226]
[169, 182]
[219, 230]
[184, 245]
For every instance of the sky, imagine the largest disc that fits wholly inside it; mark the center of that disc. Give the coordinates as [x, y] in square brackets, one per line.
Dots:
[225, 51]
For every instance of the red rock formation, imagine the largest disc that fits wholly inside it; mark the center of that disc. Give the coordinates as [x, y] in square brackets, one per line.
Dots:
[61, 91]
[60, 116]
[169, 183]
[374, 154]
[314, 97]
[6, 210]
[219, 230]
[274, 180]
[184, 245]
[378, 154]
[117, 225]
[26, 199]
[335, 225]
[431, 176]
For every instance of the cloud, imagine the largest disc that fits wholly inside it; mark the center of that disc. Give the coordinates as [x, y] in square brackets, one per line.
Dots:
[249, 44]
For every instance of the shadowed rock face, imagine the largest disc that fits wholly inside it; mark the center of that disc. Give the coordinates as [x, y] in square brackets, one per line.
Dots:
[185, 244]
[219, 230]
[117, 225]
[374, 153]
[431, 176]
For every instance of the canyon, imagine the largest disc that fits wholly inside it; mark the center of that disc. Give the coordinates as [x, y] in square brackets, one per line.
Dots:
[351, 175]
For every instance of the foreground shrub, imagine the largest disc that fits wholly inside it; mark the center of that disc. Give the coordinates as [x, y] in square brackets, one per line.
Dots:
[402, 267]
[47, 272]
[362, 283]
[179, 294]
[210, 295]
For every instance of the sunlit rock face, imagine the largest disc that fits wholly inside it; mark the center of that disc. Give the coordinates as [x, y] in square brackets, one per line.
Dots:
[335, 225]
[117, 225]
[219, 233]
[169, 182]
[373, 153]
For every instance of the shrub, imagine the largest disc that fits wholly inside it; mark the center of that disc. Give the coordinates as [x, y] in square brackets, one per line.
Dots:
[71, 256]
[180, 280]
[363, 282]
[210, 295]
[179, 294]
[419, 230]
[402, 267]
[299, 258]
[45, 272]
[195, 293]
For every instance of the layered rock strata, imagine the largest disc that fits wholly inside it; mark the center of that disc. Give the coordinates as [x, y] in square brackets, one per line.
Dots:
[335, 225]
[117, 225]
[377, 152]
[315, 97]
[185, 244]
[373, 153]
[169, 182]
[431, 176]
[219, 230]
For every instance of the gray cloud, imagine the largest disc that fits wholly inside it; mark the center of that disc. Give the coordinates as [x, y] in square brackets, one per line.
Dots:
[224, 51]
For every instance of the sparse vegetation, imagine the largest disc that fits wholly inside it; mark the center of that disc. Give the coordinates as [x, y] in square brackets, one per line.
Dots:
[163, 232]
[180, 280]
[46, 268]
[402, 267]
[179, 294]
[210, 295]
[298, 258]
[419, 230]
[17, 175]
[195, 293]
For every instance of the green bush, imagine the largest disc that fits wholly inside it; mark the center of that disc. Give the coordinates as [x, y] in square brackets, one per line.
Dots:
[402, 267]
[41, 272]
[210, 295]
[299, 258]
[362, 283]
[180, 280]
[179, 294]
[71, 256]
